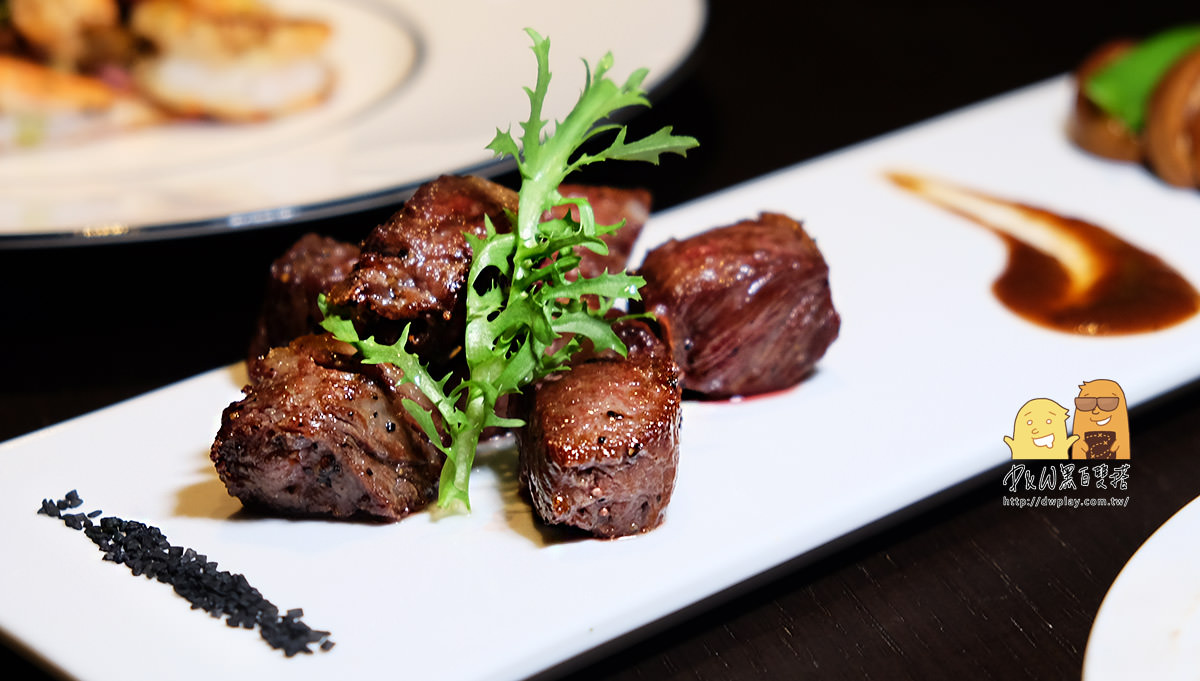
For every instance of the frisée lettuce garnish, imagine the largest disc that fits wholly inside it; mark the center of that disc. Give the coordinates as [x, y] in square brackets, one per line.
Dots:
[520, 299]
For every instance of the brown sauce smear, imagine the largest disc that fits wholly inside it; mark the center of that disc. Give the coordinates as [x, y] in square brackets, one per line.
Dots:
[1079, 278]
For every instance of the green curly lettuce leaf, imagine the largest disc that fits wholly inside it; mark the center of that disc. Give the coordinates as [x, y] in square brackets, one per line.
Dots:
[520, 299]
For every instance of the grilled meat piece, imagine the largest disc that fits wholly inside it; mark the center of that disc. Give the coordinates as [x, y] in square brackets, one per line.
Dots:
[601, 442]
[1173, 123]
[417, 262]
[319, 434]
[413, 268]
[309, 268]
[315, 265]
[611, 205]
[746, 308]
[1093, 129]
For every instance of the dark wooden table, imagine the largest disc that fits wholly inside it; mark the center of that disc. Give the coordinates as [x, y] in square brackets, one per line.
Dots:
[968, 588]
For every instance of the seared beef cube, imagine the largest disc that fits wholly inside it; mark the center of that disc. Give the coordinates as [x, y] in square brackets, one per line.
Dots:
[746, 308]
[413, 268]
[319, 434]
[601, 442]
[610, 206]
[309, 268]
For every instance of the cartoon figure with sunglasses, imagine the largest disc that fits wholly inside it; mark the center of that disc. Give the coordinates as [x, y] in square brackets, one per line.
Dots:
[1101, 421]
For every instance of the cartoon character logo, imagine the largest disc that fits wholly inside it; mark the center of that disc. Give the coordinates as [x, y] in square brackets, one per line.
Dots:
[1101, 421]
[1040, 431]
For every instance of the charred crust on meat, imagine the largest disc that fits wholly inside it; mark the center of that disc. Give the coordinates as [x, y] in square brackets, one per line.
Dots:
[301, 443]
[601, 442]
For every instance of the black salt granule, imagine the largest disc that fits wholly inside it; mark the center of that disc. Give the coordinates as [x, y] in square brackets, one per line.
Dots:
[145, 551]
[49, 508]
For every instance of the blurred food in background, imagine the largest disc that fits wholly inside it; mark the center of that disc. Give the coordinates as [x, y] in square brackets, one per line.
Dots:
[73, 70]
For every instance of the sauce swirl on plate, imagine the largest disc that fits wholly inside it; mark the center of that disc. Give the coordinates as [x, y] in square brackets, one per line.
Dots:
[1065, 273]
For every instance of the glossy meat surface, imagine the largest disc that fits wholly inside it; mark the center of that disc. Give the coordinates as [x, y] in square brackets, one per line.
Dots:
[746, 308]
[413, 268]
[309, 268]
[611, 205]
[601, 445]
[318, 434]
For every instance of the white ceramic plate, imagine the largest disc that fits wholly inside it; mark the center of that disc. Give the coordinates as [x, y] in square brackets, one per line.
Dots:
[1148, 626]
[421, 87]
[913, 398]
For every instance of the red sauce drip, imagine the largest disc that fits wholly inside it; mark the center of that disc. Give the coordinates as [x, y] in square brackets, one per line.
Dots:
[1133, 291]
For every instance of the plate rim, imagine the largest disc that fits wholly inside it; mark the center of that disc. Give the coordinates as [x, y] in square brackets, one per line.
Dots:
[1129, 580]
[118, 231]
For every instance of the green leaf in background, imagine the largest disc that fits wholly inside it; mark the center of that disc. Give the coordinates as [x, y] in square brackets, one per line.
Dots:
[1123, 88]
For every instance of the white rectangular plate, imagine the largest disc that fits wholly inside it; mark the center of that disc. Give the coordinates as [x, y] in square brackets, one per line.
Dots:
[913, 398]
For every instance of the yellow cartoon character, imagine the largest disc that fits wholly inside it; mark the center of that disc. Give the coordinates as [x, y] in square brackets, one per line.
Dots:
[1040, 431]
[1101, 421]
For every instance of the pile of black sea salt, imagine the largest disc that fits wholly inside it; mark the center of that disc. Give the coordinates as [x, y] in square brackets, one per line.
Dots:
[146, 551]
